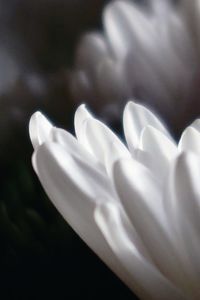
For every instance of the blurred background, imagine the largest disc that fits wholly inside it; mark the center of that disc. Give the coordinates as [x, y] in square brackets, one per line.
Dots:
[40, 255]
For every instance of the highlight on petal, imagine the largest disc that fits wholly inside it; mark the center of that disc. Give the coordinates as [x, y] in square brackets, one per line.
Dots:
[183, 209]
[146, 280]
[81, 115]
[65, 180]
[160, 148]
[139, 212]
[196, 125]
[135, 118]
[142, 199]
[103, 143]
[39, 129]
[190, 140]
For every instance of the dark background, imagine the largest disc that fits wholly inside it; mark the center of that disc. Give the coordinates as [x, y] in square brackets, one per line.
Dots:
[40, 255]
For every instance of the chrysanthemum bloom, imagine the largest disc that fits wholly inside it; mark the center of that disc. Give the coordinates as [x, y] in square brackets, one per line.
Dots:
[138, 207]
[148, 50]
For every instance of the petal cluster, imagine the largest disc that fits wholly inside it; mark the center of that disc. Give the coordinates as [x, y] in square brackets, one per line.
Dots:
[147, 50]
[136, 206]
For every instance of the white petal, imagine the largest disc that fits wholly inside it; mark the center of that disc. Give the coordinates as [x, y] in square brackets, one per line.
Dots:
[196, 125]
[149, 161]
[155, 142]
[73, 147]
[143, 278]
[139, 192]
[136, 117]
[184, 211]
[103, 143]
[74, 189]
[161, 149]
[190, 140]
[39, 129]
[81, 115]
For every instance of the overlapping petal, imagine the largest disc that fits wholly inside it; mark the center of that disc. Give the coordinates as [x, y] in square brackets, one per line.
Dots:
[138, 209]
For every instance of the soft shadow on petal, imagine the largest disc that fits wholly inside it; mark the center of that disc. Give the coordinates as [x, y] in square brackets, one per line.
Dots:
[146, 280]
[135, 118]
[139, 193]
[190, 140]
[183, 208]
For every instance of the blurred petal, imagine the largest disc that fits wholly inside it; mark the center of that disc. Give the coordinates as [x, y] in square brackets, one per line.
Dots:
[136, 117]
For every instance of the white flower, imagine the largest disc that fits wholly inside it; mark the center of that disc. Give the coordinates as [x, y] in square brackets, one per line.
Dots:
[138, 209]
[148, 51]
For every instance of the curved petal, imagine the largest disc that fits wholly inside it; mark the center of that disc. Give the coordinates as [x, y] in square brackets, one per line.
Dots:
[122, 23]
[39, 129]
[141, 197]
[155, 142]
[135, 118]
[196, 125]
[184, 212]
[160, 148]
[73, 147]
[144, 278]
[190, 140]
[81, 115]
[73, 187]
[91, 51]
[103, 143]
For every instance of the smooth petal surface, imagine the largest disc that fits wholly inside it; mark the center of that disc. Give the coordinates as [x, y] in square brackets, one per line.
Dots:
[39, 129]
[73, 147]
[196, 125]
[146, 279]
[103, 143]
[160, 148]
[135, 118]
[81, 115]
[65, 180]
[183, 210]
[139, 192]
[190, 140]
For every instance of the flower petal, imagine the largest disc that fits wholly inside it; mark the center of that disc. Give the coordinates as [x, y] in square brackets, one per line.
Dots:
[74, 188]
[196, 125]
[158, 144]
[143, 278]
[160, 148]
[91, 51]
[81, 115]
[190, 140]
[136, 117]
[141, 197]
[39, 129]
[184, 212]
[103, 143]
[73, 147]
